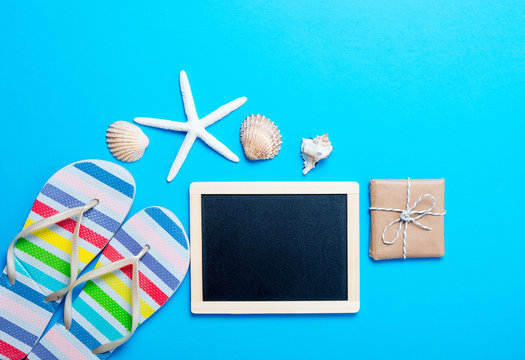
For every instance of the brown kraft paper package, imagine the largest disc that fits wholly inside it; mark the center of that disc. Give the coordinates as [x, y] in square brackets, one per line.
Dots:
[419, 242]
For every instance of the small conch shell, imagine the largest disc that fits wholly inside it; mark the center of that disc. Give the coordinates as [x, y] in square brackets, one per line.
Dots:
[313, 150]
[260, 138]
[126, 141]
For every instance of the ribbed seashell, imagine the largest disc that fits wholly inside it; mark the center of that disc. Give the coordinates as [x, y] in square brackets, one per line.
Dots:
[126, 141]
[260, 138]
[313, 150]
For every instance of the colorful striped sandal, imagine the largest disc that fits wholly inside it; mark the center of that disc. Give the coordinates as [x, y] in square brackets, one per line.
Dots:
[75, 214]
[138, 271]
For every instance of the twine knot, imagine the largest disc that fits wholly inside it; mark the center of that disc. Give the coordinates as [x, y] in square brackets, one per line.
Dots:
[406, 217]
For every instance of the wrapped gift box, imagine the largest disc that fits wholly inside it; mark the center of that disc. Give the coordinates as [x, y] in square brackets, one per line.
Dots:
[425, 224]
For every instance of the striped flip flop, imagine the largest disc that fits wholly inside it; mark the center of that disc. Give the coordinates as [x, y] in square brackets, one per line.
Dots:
[138, 271]
[75, 214]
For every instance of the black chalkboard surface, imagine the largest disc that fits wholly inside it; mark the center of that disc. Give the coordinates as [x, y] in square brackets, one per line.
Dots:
[274, 247]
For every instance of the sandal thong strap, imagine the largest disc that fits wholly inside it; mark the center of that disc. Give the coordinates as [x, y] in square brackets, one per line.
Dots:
[44, 223]
[135, 296]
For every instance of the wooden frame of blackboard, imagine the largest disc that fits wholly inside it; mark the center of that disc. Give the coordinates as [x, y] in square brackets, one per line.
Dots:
[199, 306]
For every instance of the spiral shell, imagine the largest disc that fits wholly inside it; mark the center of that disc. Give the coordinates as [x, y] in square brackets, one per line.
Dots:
[126, 141]
[260, 138]
[313, 150]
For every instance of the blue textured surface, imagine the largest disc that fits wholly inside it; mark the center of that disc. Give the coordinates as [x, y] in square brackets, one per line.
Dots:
[404, 88]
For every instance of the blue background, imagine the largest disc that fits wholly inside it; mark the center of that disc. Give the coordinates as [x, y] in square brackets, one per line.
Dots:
[424, 89]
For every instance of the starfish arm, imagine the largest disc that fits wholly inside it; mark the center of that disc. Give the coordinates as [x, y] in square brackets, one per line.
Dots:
[187, 98]
[181, 155]
[162, 124]
[216, 145]
[223, 111]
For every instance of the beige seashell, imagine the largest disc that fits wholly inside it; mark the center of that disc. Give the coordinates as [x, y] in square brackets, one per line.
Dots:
[126, 141]
[260, 138]
[313, 150]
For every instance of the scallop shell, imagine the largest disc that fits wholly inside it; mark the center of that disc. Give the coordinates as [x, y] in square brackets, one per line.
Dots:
[313, 150]
[260, 138]
[126, 141]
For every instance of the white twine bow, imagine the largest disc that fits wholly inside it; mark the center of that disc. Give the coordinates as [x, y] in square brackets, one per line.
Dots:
[406, 218]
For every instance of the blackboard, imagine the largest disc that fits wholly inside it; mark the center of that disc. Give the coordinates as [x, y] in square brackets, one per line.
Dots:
[264, 250]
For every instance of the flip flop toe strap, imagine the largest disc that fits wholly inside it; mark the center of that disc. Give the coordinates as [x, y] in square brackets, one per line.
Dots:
[44, 223]
[135, 296]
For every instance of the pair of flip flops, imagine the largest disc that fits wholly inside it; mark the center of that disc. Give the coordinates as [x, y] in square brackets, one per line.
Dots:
[78, 214]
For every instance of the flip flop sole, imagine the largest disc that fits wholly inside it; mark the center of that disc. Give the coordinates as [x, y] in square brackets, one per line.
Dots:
[42, 258]
[102, 311]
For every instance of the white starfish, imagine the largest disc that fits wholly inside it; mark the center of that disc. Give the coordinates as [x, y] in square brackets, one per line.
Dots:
[194, 127]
